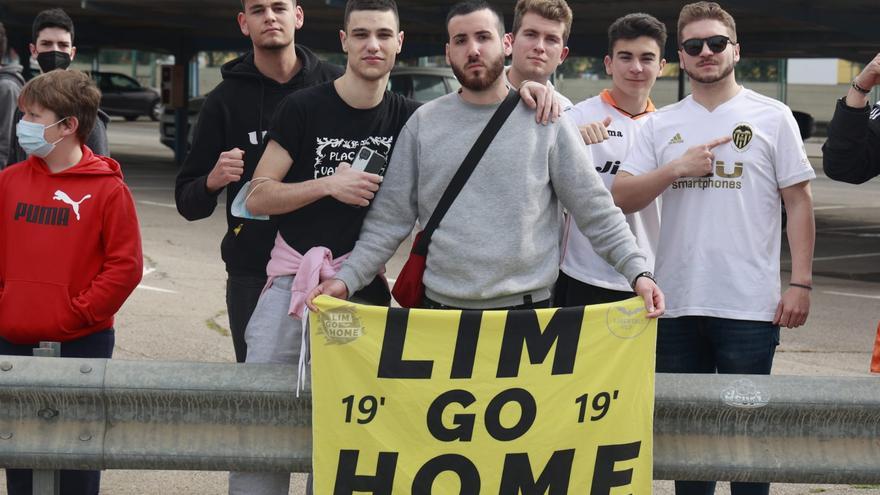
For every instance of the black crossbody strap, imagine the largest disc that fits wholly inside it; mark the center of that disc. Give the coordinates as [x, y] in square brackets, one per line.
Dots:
[467, 167]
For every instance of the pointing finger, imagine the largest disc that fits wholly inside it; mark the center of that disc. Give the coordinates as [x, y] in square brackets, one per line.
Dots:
[719, 141]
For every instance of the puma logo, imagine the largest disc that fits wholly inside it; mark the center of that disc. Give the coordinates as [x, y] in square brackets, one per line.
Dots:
[63, 197]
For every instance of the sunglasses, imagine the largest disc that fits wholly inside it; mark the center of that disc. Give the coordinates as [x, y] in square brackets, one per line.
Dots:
[717, 44]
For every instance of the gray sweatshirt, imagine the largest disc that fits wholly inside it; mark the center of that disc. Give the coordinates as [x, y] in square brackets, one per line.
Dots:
[499, 241]
[10, 87]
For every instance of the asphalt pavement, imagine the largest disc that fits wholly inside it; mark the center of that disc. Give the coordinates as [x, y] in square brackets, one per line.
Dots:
[178, 312]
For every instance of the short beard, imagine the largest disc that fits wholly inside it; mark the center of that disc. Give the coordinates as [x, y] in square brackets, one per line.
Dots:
[494, 68]
[274, 46]
[711, 79]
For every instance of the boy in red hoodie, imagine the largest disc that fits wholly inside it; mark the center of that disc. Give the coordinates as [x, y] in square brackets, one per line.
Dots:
[70, 247]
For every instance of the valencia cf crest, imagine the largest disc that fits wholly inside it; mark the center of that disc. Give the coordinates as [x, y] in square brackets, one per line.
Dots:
[742, 136]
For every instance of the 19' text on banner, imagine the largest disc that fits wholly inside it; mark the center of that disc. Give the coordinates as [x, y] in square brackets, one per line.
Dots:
[552, 401]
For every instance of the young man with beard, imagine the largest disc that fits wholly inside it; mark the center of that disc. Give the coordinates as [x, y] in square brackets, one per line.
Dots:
[719, 248]
[634, 60]
[228, 140]
[497, 247]
[53, 48]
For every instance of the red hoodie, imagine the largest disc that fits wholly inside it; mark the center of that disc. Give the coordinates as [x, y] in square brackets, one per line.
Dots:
[70, 249]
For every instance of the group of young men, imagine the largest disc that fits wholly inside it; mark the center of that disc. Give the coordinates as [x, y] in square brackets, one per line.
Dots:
[692, 191]
[282, 130]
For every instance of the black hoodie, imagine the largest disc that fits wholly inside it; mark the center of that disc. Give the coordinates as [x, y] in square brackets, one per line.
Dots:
[852, 151]
[237, 114]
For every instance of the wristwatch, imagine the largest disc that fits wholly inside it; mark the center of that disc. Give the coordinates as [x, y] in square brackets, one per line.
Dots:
[648, 275]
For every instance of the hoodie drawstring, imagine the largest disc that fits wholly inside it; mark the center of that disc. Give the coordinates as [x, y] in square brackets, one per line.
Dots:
[260, 117]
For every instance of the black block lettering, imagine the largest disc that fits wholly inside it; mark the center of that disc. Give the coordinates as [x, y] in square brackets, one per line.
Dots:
[528, 408]
[460, 465]
[464, 423]
[63, 216]
[466, 344]
[517, 476]
[522, 328]
[347, 482]
[391, 362]
[604, 475]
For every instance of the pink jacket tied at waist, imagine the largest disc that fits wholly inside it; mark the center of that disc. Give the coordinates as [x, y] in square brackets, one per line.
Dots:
[308, 271]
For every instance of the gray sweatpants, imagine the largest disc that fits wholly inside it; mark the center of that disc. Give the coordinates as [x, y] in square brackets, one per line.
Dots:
[272, 336]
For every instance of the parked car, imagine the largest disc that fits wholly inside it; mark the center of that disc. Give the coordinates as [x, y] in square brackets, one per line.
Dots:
[420, 83]
[423, 83]
[123, 95]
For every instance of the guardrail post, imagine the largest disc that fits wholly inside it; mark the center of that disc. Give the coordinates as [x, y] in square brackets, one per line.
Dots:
[47, 482]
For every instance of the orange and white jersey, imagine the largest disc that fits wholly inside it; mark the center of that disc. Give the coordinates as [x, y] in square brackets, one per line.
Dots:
[579, 260]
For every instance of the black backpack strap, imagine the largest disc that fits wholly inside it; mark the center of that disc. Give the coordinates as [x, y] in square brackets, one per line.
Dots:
[466, 169]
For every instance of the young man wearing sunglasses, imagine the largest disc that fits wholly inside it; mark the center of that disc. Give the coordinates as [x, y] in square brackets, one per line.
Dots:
[722, 159]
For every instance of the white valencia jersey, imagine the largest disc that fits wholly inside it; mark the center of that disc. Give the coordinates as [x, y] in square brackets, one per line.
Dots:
[579, 260]
[719, 247]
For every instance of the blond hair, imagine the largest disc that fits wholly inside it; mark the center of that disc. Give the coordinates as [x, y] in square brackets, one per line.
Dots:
[699, 11]
[555, 10]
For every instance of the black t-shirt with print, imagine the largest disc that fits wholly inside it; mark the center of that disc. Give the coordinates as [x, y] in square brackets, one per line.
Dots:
[319, 131]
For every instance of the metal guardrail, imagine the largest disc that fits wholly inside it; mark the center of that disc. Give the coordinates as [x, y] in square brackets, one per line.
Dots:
[113, 414]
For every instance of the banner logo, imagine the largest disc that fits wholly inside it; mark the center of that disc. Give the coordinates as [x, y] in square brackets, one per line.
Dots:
[340, 325]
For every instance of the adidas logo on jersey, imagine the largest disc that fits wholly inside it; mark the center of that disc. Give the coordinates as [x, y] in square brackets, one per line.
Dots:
[676, 139]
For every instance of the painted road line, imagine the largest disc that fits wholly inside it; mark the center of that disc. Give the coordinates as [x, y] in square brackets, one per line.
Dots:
[156, 289]
[846, 257]
[154, 203]
[849, 294]
[854, 227]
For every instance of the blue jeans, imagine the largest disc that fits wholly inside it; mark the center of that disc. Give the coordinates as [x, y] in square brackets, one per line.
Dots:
[703, 344]
[73, 482]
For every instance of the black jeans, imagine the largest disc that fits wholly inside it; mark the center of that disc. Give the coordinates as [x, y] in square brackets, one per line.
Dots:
[242, 294]
[96, 345]
[572, 292]
[431, 304]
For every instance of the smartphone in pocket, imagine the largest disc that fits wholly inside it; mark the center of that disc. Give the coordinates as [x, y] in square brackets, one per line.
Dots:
[369, 161]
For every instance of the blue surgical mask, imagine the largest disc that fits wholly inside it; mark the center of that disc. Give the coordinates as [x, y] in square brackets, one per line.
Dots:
[32, 138]
[239, 204]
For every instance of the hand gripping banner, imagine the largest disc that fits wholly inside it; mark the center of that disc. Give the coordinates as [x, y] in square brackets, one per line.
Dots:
[410, 401]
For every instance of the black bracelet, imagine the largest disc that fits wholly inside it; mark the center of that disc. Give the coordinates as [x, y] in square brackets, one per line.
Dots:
[802, 286]
[647, 275]
[860, 89]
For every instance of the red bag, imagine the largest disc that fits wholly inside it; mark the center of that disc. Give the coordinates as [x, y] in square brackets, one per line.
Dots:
[409, 290]
[875, 359]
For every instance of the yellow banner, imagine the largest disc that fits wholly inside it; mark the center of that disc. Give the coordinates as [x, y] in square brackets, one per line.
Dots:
[551, 401]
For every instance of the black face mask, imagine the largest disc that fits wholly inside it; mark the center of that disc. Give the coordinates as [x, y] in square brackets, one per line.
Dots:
[50, 61]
